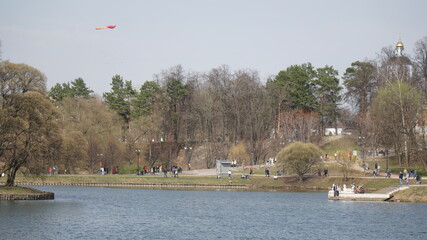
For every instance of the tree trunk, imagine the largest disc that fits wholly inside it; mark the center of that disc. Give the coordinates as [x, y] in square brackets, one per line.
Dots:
[397, 153]
[11, 177]
[424, 164]
[278, 122]
[423, 130]
[336, 126]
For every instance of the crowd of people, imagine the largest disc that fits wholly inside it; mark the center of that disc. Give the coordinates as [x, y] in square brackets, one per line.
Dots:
[343, 188]
[325, 172]
[175, 170]
[406, 175]
[357, 189]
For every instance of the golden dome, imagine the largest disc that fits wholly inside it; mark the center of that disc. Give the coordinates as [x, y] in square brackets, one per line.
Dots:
[399, 44]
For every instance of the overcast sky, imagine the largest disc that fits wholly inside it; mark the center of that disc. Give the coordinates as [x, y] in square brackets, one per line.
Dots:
[59, 37]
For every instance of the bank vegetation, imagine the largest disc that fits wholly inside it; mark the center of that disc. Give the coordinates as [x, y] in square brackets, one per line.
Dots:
[185, 118]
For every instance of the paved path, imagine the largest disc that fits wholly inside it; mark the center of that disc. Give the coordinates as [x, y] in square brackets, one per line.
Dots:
[201, 172]
[392, 189]
[212, 171]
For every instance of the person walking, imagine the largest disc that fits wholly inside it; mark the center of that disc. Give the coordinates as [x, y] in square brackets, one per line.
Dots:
[388, 173]
[400, 177]
[325, 172]
[335, 189]
[267, 172]
[418, 179]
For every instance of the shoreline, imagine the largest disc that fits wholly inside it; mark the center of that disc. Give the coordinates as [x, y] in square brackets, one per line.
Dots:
[176, 186]
[202, 183]
[400, 197]
[24, 193]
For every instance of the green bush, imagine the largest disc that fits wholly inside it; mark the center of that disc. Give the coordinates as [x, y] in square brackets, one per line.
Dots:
[397, 170]
[128, 168]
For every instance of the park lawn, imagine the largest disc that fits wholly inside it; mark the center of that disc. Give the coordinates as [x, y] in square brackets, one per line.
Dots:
[257, 182]
[346, 144]
[257, 170]
[150, 179]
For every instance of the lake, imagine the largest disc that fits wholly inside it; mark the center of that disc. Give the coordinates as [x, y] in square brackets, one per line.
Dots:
[114, 213]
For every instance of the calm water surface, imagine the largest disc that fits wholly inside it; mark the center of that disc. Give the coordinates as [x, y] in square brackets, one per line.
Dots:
[108, 213]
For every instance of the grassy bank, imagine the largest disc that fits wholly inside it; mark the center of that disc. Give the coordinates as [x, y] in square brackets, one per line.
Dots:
[413, 194]
[18, 190]
[254, 183]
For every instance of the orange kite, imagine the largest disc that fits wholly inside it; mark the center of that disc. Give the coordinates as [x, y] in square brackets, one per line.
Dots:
[110, 27]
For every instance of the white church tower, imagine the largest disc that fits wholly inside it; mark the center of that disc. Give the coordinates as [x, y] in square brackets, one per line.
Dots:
[399, 48]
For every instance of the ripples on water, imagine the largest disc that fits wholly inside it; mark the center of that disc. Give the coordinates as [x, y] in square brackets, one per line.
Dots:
[109, 213]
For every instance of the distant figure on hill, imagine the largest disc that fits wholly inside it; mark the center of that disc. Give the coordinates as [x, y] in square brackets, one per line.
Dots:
[325, 172]
[388, 173]
[418, 179]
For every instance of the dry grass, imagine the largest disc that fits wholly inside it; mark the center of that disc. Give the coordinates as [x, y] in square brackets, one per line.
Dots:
[18, 190]
[413, 194]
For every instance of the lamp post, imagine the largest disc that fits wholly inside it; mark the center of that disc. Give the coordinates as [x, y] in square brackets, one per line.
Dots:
[149, 153]
[362, 145]
[99, 155]
[138, 152]
[187, 159]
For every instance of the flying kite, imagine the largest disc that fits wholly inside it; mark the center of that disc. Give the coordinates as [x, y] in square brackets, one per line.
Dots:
[110, 27]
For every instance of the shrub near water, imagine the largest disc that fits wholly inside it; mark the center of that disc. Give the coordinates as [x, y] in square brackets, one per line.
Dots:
[299, 157]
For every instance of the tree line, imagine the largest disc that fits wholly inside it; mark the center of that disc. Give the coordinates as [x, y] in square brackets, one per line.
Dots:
[212, 113]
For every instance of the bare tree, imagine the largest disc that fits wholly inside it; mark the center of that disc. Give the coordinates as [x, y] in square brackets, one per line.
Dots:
[74, 158]
[94, 151]
[299, 125]
[420, 61]
[345, 162]
[19, 78]
[28, 129]
[218, 87]
[112, 154]
[401, 105]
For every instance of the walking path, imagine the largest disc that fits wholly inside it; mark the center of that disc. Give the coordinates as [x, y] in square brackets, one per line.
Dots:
[392, 189]
[201, 172]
